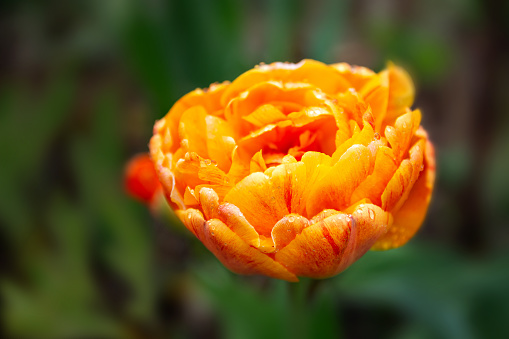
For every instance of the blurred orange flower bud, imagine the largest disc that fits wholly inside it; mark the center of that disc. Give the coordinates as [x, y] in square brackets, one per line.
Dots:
[141, 180]
[297, 169]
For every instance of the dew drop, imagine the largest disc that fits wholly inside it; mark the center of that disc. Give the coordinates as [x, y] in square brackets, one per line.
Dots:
[404, 125]
[208, 162]
[371, 214]
[291, 219]
[377, 136]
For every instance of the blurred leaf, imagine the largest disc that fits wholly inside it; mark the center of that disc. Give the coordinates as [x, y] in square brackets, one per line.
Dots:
[60, 302]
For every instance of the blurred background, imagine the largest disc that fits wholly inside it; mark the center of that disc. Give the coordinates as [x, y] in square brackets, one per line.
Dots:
[81, 85]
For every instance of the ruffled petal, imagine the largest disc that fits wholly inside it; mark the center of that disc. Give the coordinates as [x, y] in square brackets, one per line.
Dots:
[317, 252]
[374, 185]
[410, 216]
[401, 91]
[310, 72]
[238, 256]
[403, 180]
[256, 199]
[286, 229]
[335, 188]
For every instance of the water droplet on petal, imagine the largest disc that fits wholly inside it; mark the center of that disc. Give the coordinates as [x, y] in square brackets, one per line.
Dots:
[371, 214]
[291, 219]
[377, 136]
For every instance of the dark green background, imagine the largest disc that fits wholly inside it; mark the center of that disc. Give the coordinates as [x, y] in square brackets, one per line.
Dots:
[81, 85]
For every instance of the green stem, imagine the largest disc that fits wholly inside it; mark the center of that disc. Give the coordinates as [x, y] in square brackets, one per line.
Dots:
[298, 305]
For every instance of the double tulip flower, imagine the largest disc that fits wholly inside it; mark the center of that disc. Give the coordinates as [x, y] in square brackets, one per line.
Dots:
[297, 169]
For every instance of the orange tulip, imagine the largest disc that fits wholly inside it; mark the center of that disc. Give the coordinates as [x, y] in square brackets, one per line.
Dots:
[297, 169]
[141, 180]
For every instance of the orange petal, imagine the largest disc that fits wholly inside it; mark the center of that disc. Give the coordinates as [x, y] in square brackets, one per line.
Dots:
[402, 181]
[335, 188]
[403, 131]
[167, 127]
[193, 220]
[288, 184]
[220, 141]
[235, 220]
[364, 137]
[257, 163]
[376, 94]
[410, 216]
[357, 76]
[193, 131]
[317, 252]
[254, 196]
[310, 72]
[286, 229]
[374, 185]
[371, 223]
[237, 255]
[401, 91]
[209, 201]
[264, 115]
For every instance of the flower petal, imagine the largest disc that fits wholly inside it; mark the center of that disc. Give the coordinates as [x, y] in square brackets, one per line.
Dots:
[401, 91]
[235, 220]
[403, 180]
[410, 216]
[237, 255]
[307, 71]
[335, 188]
[376, 94]
[254, 196]
[371, 222]
[286, 229]
[317, 252]
[375, 184]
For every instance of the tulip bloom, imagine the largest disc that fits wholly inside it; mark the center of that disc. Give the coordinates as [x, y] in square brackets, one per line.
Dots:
[141, 180]
[297, 169]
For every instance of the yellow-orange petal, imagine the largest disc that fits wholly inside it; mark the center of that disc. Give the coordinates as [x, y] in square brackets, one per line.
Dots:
[238, 256]
[400, 136]
[357, 76]
[235, 220]
[364, 137]
[168, 127]
[209, 201]
[254, 196]
[310, 72]
[287, 184]
[257, 163]
[403, 180]
[410, 216]
[264, 115]
[374, 185]
[317, 252]
[193, 220]
[376, 94]
[401, 91]
[335, 188]
[371, 222]
[286, 229]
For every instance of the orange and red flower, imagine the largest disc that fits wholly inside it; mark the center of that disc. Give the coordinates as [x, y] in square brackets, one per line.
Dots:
[297, 169]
